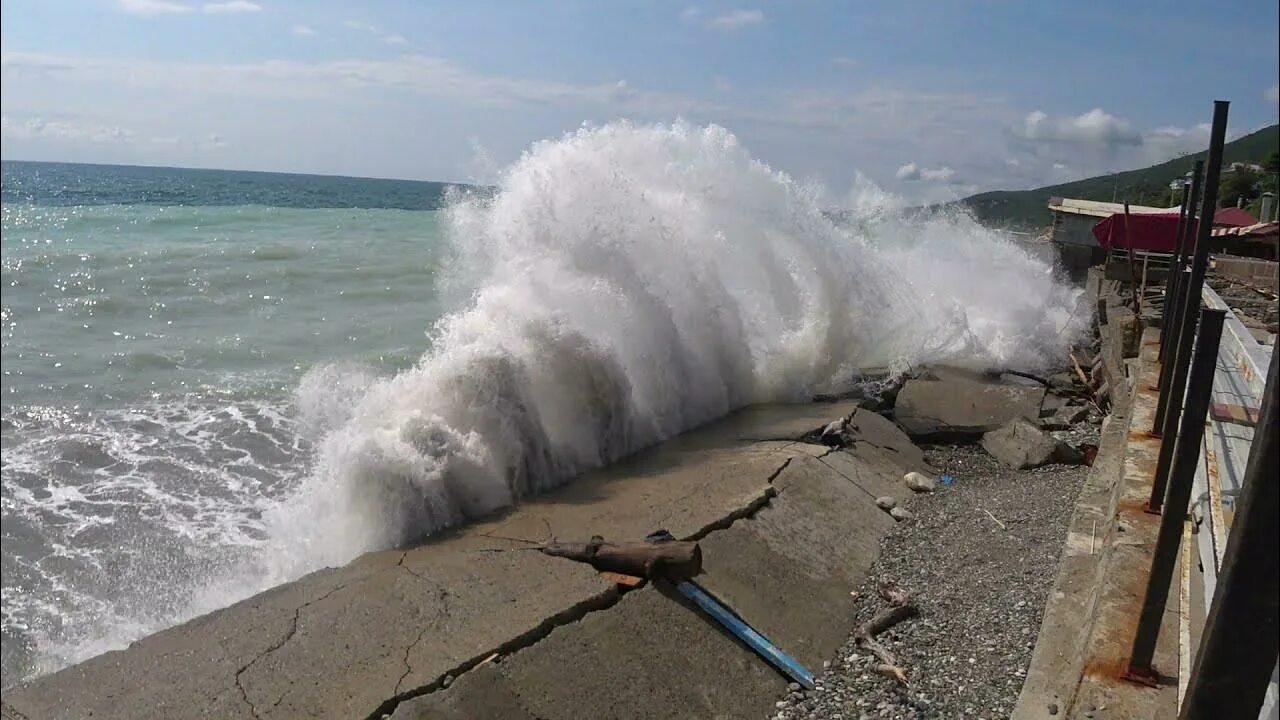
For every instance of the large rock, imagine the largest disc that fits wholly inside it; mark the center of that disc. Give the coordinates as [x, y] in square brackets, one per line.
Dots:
[957, 403]
[1020, 445]
[1065, 417]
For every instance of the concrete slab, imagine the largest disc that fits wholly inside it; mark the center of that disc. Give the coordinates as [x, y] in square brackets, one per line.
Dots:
[359, 640]
[788, 571]
[962, 403]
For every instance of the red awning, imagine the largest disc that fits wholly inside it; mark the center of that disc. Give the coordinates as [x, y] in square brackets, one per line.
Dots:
[1151, 231]
[1233, 217]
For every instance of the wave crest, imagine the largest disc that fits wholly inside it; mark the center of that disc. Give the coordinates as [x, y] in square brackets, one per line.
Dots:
[630, 282]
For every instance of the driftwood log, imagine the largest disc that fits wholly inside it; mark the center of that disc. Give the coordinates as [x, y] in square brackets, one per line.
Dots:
[671, 559]
[900, 608]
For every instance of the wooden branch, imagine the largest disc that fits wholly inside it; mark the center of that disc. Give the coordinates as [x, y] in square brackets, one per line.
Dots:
[1084, 379]
[893, 594]
[886, 619]
[901, 608]
[672, 559]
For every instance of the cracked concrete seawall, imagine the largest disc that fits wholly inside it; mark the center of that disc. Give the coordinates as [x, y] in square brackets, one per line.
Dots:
[787, 529]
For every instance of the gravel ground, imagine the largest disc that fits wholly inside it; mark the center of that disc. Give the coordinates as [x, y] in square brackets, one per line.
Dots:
[980, 588]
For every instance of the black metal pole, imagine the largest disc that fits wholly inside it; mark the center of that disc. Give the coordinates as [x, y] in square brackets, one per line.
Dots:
[1171, 285]
[1173, 293]
[1238, 651]
[1166, 421]
[1189, 438]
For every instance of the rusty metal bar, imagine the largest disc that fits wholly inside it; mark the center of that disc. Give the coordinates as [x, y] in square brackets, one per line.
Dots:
[1190, 437]
[1174, 281]
[1172, 391]
[1133, 271]
[1238, 650]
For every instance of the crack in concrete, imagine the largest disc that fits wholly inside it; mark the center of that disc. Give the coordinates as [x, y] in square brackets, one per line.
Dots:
[749, 510]
[293, 630]
[600, 601]
[11, 713]
[443, 594]
[575, 613]
[853, 482]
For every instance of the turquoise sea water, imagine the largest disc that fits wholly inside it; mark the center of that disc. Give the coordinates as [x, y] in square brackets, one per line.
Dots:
[156, 324]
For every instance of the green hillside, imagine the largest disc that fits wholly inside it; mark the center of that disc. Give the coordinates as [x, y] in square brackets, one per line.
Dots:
[1148, 186]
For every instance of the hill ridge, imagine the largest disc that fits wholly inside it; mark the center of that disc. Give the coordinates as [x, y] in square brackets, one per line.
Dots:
[1142, 186]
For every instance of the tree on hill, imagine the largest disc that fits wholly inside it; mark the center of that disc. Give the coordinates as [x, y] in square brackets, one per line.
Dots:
[1239, 185]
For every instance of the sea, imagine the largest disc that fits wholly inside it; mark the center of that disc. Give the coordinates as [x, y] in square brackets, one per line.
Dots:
[217, 381]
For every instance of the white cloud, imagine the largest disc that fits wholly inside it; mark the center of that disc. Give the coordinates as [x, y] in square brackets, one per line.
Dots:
[361, 26]
[38, 127]
[911, 172]
[730, 20]
[231, 7]
[303, 31]
[908, 171]
[844, 61]
[735, 19]
[1096, 127]
[395, 40]
[1273, 94]
[285, 79]
[1165, 143]
[721, 84]
[151, 8]
[811, 132]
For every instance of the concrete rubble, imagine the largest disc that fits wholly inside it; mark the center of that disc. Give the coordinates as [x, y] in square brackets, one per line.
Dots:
[1021, 445]
[956, 404]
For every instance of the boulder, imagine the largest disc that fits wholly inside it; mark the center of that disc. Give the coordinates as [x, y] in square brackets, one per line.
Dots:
[919, 482]
[1051, 405]
[959, 404]
[1065, 417]
[1019, 444]
[886, 502]
[901, 514]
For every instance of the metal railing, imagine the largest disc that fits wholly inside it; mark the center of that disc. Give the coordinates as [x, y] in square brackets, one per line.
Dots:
[1238, 652]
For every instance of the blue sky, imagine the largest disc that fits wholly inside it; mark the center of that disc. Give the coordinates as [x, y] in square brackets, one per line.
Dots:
[930, 100]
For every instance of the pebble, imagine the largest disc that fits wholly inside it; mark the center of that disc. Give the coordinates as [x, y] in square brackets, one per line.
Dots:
[886, 502]
[968, 583]
[919, 482]
[901, 514]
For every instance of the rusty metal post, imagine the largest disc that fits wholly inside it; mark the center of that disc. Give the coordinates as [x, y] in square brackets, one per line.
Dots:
[1172, 296]
[1238, 651]
[1189, 440]
[1133, 271]
[1172, 391]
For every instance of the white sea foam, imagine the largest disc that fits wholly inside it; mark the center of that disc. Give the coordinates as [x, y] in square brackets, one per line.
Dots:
[632, 282]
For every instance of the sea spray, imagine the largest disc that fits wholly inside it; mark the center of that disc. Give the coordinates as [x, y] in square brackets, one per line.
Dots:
[632, 282]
